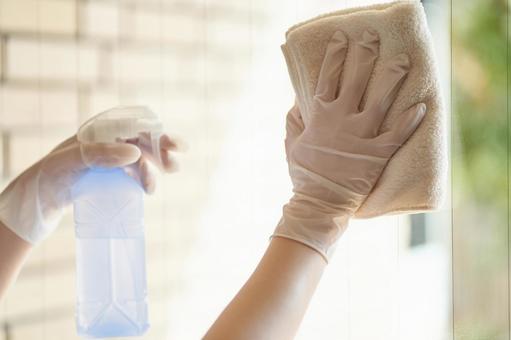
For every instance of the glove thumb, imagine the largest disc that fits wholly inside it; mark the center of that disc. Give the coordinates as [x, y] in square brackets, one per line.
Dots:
[109, 155]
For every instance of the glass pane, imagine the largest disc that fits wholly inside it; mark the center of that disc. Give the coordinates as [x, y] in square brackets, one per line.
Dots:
[215, 73]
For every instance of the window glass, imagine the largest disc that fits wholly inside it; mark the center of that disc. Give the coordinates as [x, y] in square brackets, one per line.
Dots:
[214, 72]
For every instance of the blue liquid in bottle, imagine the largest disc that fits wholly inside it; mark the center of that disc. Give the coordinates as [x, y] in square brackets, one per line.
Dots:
[111, 273]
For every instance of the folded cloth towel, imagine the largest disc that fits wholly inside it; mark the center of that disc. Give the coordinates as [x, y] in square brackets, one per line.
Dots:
[414, 179]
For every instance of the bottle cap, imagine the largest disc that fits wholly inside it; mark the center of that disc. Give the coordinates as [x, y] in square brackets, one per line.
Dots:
[121, 123]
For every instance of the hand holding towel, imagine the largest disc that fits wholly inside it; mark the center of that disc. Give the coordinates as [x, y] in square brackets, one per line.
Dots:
[414, 179]
[336, 158]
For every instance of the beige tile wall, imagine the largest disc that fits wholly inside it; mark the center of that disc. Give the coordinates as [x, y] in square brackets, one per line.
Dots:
[63, 60]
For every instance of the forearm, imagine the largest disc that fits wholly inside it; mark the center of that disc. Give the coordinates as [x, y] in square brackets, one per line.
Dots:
[273, 301]
[13, 252]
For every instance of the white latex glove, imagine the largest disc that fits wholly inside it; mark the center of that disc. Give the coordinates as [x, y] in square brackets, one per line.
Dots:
[33, 203]
[335, 161]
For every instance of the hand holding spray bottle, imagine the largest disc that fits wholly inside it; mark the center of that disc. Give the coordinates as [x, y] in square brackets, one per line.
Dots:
[109, 222]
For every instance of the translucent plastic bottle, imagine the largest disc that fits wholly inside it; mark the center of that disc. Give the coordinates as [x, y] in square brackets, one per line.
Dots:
[109, 222]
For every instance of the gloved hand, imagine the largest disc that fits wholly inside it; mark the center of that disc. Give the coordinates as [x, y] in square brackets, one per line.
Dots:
[336, 159]
[33, 203]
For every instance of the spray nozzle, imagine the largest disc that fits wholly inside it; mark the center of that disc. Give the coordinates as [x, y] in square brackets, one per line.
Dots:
[122, 123]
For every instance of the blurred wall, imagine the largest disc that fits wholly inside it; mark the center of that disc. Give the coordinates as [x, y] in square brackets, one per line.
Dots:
[215, 73]
[64, 60]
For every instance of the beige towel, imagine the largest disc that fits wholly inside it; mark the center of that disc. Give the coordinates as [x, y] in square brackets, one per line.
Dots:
[415, 178]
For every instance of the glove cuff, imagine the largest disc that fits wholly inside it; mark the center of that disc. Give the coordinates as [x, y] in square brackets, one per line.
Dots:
[313, 224]
[20, 209]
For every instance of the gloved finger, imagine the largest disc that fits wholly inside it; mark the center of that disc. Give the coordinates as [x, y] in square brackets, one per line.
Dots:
[63, 164]
[108, 155]
[143, 174]
[402, 128]
[330, 72]
[357, 75]
[386, 89]
[294, 127]
[172, 143]
[167, 144]
[169, 163]
[147, 175]
[166, 162]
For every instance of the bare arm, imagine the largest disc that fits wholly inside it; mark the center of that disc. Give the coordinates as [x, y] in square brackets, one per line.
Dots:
[13, 252]
[335, 158]
[273, 301]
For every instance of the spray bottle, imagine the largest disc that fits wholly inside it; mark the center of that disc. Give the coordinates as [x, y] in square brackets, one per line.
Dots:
[109, 224]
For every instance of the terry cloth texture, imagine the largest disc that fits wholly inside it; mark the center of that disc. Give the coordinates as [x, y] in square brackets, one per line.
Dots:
[415, 178]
